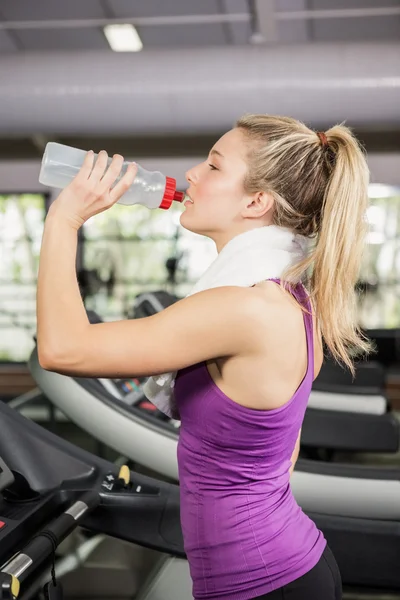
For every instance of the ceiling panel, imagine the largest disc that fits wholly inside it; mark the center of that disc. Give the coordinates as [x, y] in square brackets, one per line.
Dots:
[170, 36]
[184, 35]
[296, 31]
[287, 5]
[176, 36]
[356, 30]
[293, 32]
[329, 4]
[162, 8]
[26, 10]
[62, 39]
[343, 29]
[293, 5]
[236, 33]
[7, 44]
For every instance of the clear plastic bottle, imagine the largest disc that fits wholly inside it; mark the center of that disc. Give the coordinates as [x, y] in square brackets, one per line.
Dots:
[60, 164]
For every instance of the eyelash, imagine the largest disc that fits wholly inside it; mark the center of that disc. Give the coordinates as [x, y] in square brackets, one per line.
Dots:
[213, 168]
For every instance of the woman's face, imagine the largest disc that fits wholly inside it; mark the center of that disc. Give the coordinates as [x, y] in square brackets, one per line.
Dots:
[216, 190]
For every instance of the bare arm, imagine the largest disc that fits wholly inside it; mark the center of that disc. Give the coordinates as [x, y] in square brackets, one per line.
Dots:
[214, 323]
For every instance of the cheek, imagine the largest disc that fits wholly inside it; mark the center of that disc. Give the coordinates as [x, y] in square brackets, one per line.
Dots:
[217, 190]
[210, 212]
[216, 199]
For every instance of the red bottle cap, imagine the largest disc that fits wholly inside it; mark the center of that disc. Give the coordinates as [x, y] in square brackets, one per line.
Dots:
[170, 193]
[179, 196]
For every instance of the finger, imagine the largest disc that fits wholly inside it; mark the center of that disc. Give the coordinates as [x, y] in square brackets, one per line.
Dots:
[87, 166]
[112, 173]
[124, 184]
[99, 168]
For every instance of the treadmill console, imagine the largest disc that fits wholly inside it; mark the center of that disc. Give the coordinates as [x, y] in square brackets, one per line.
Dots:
[6, 476]
[129, 391]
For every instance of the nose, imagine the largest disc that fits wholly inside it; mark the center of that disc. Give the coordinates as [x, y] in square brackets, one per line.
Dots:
[189, 176]
[192, 175]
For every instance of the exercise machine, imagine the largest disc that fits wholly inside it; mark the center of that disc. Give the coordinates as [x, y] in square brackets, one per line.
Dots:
[48, 487]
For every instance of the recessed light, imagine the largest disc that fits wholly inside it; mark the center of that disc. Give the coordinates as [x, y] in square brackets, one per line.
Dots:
[123, 38]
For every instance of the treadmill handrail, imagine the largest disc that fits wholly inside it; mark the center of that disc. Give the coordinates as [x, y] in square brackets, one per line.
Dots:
[350, 432]
[348, 470]
[40, 547]
[375, 404]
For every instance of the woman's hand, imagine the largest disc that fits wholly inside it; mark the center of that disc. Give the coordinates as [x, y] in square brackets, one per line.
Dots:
[91, 191]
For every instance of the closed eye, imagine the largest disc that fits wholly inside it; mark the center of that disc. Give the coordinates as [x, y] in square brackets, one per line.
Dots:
[212, 167]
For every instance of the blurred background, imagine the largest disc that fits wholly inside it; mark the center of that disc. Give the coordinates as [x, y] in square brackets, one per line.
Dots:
[159, 81]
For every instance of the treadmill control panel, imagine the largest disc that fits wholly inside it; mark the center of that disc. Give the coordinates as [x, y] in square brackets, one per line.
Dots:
[130, 389]
[125, 485]
[130, 392]
[6, 476]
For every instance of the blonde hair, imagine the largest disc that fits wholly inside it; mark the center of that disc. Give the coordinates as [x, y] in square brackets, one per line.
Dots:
[319, 182]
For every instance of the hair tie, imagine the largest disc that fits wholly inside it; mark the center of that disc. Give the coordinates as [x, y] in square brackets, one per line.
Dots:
[323, 138]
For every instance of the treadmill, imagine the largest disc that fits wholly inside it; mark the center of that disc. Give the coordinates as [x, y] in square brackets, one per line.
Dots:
[48, 487]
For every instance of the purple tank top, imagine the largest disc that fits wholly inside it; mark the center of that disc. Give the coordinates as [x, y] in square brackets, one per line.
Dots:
[244, 534]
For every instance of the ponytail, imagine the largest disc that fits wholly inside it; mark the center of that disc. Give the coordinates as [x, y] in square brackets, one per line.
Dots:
[320, 186]
[340, 245]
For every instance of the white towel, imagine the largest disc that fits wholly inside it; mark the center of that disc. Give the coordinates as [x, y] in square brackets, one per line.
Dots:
[247, 259]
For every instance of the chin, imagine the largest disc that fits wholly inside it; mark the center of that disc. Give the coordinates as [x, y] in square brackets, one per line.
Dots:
[189, 223]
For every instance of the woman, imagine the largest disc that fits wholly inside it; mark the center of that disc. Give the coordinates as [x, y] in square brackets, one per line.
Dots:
[245, 536]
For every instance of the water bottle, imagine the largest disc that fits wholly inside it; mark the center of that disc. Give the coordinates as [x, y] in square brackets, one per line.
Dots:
[60, 164]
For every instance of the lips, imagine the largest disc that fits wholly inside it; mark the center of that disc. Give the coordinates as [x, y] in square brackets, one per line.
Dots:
[188, 199]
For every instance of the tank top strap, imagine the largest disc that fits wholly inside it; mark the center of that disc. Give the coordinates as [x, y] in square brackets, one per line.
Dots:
[301, 295]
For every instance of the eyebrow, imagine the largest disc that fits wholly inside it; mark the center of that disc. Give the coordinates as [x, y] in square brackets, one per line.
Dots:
[213, 151]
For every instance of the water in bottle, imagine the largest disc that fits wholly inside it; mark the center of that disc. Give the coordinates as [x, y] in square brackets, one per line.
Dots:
[60, 164]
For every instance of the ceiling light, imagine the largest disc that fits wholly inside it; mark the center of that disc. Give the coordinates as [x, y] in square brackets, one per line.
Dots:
[123, 38]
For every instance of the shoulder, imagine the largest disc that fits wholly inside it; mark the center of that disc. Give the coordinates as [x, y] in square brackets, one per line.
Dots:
[286, 320]
[283, 314]
[233, 320]
[238, 306]
[280, 302]
[250, 313]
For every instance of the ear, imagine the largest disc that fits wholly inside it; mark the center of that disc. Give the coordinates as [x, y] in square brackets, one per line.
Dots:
[258, 205]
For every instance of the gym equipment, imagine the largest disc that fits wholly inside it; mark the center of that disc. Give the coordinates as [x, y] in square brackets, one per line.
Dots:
[387, 343]
[48, 487]
[58, 486]
[335, 388]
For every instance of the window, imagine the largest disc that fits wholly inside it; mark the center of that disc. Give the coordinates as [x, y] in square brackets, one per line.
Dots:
[21, 228]
[125, 250]
[380, 274]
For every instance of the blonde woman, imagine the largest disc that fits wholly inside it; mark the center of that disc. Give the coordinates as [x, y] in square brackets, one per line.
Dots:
[244, 356]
